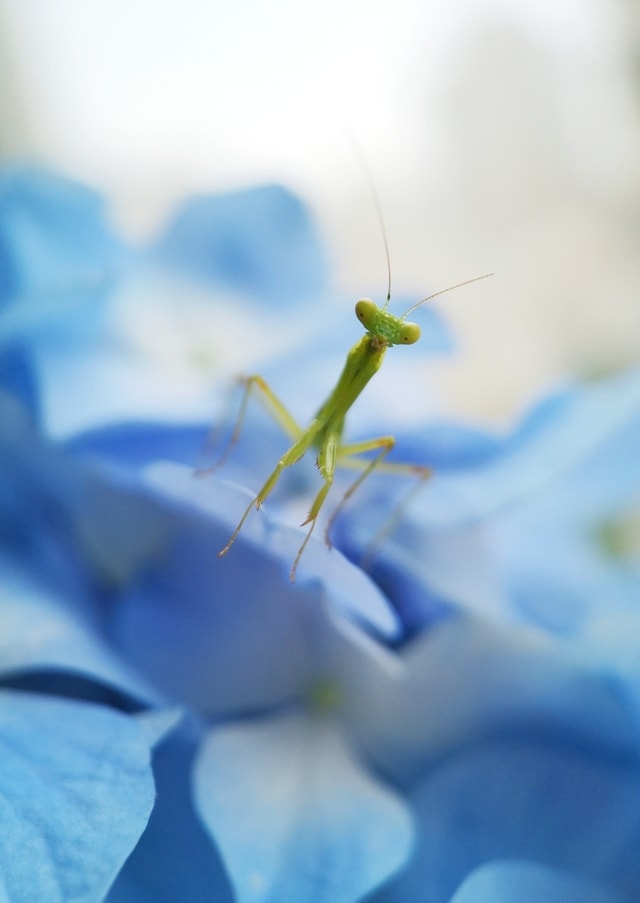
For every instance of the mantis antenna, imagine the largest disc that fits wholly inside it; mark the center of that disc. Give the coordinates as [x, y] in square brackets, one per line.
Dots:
[366, 169]
[443, 291]
[378, 208]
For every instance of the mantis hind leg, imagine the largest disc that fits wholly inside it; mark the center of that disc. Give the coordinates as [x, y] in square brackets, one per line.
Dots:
[272, 405]
[422, 474]
[349, 458]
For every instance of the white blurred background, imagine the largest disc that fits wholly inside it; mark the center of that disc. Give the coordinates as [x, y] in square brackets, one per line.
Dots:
[502, 135]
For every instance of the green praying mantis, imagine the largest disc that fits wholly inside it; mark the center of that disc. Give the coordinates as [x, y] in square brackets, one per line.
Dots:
[324, 434]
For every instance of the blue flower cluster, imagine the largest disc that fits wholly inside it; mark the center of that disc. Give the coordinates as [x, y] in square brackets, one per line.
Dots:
[459, 723]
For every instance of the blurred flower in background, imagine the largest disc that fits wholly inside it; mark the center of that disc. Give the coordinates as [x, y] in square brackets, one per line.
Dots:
[501, 137]
[458, 720]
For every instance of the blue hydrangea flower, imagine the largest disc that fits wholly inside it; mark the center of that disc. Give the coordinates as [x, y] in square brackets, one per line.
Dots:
[422, 731]
[527, 882]
[77, 786]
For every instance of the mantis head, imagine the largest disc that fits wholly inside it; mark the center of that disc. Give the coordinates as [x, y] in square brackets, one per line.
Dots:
[380, 323]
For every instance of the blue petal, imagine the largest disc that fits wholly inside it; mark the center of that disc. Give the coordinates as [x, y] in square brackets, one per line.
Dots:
[71, 527]
[466, 680]
[77, 791]
[610, 641]
[55, 250]
[560, 434]
[352, 592]
[175, 859]
[18, 378]
[448, 446]
[420, 571]
[294, 814]
[260, 242]
[550, 551]
[561, 806]
[133, 445]
[521, 511]
[529, 882]
[38, 631]
[234, 633]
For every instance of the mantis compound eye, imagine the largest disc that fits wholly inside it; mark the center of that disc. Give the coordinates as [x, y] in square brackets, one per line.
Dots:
[410, 334]
[366, 312]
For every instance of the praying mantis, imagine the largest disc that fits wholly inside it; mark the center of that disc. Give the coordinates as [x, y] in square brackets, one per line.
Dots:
[324, 434]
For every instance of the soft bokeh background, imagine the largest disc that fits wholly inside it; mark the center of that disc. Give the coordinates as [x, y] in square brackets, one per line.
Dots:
[501, 136]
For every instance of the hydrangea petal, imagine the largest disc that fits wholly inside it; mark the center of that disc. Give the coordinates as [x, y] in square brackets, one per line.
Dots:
[133, 445]
[611, 642]
[175, 859]
[259, 241]
[77, 790]
[555, 436]
[17, 377]
[529, 882]
[559, 554]
[196, 625]
[556, 803]
[38, 631]
[352, 591]
[295, 816]
[467, 679]
[53, 234]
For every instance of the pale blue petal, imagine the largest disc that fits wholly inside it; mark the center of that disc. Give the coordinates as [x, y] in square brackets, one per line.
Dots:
[234, 634]
[449, 446]
[424, 579]
[18, 378]
[610, 642]
[467, 679]
[555, 803]
[56, 256]
[52, 233]
[351, 591]
[133, 445]
[38, 631]
[155, 724]
[76, 793]
[295, 815]
[74, 528]
[192, 623]
[561, 433]
[175, 859]
[260, 241]
[552, 552]
[529, 882]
